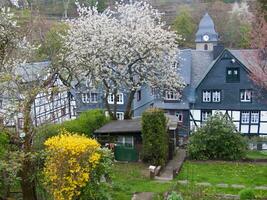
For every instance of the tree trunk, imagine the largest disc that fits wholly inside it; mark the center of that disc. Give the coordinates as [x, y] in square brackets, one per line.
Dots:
[128, 110]
[27, 181]
[28, 169]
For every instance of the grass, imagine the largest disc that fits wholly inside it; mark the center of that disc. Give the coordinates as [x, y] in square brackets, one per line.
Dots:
[256, 154]
[129, 178]
[134, 177]
[248, 174]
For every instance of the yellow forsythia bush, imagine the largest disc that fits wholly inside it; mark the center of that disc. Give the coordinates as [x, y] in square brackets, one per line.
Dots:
[71, 158]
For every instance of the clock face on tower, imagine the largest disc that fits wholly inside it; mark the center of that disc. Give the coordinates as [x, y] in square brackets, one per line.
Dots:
[206, 38]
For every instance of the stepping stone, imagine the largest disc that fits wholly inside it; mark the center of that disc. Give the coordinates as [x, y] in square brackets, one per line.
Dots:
[183, 182]
[261, 188]
[203, 184]
[143, 196]
[237, 186]
[222, 185]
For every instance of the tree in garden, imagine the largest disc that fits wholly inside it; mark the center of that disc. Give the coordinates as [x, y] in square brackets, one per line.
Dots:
[259, 41]
[155, 137]
[69, 164]
[122, 49]
[20, 85]
[185, 27]
[217, 140]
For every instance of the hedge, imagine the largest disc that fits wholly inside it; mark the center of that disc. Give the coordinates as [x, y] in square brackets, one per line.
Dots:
[86, 124]
[155, 137]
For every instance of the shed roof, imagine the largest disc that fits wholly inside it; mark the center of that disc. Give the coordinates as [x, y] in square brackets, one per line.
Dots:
[132, 125]
[122, 126]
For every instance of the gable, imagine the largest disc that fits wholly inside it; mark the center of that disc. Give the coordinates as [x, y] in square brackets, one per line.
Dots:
[225, 55]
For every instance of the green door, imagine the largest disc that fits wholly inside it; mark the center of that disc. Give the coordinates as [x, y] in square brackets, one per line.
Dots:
[123, 153]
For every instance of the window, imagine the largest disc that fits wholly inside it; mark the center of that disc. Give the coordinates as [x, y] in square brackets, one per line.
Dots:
[216, 96]
[93, 97]
[126, 141]
[232, 75]
[205, 114]
[120, 115]
[119, 98]
[179, 115]
[245, 95]
[138, 95]
[211, 96]
[206, 96]
[245, 117]
[85, 97]
[171, 95]
[205, 47]
[153, 91]
[255, 115]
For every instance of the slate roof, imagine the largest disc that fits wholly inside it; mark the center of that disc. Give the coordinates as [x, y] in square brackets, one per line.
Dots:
[121, 126]
[33, 71]
[132, 126]
[185, 60]
[200, 62]
[248, 57]
[206, 26]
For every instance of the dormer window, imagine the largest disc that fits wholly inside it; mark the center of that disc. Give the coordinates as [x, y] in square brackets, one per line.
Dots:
[171, 95]
[232, 75]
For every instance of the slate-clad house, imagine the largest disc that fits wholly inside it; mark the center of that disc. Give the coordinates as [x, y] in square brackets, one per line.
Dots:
[217, 80]
[89, 97]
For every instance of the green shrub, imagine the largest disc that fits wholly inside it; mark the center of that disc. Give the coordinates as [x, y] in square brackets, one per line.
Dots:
[4, 140]
[86, 124]
[217, 140]
[174, 196]
[155, 137]
[247, 194]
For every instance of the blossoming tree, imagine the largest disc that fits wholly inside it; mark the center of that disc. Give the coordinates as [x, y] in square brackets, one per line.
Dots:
[20, 83]
[122, 49]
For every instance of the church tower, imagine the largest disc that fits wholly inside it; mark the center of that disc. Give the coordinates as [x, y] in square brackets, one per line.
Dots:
[206, 36]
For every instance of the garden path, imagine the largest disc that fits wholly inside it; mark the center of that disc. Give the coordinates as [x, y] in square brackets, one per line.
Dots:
[173, 165]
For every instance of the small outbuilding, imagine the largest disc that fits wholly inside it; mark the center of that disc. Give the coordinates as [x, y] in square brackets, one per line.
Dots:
[125, 136]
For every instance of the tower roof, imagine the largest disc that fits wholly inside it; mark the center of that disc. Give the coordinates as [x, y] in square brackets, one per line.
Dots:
[206, 27]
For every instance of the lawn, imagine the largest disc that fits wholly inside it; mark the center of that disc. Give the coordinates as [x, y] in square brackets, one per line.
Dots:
[248, 174]
[257, 154]
[129, 178]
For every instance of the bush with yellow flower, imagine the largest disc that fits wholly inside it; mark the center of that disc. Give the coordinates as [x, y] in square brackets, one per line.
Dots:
[71, 159]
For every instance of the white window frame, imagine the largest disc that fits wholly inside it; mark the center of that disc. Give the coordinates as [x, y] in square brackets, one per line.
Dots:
[245, 117]
[171, 95]
[245, 95]
[205, 115]
[120, 115]
[179, 115]
[216, 96]
[206, 96]
[254, 117]
[93, 97]
[86, 97]
[111, 98]
[122, 140]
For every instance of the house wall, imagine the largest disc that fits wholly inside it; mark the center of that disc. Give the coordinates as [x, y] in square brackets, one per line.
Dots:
[230, 96]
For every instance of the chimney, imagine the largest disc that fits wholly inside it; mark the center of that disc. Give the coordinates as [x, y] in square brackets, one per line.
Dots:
[217, 50]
